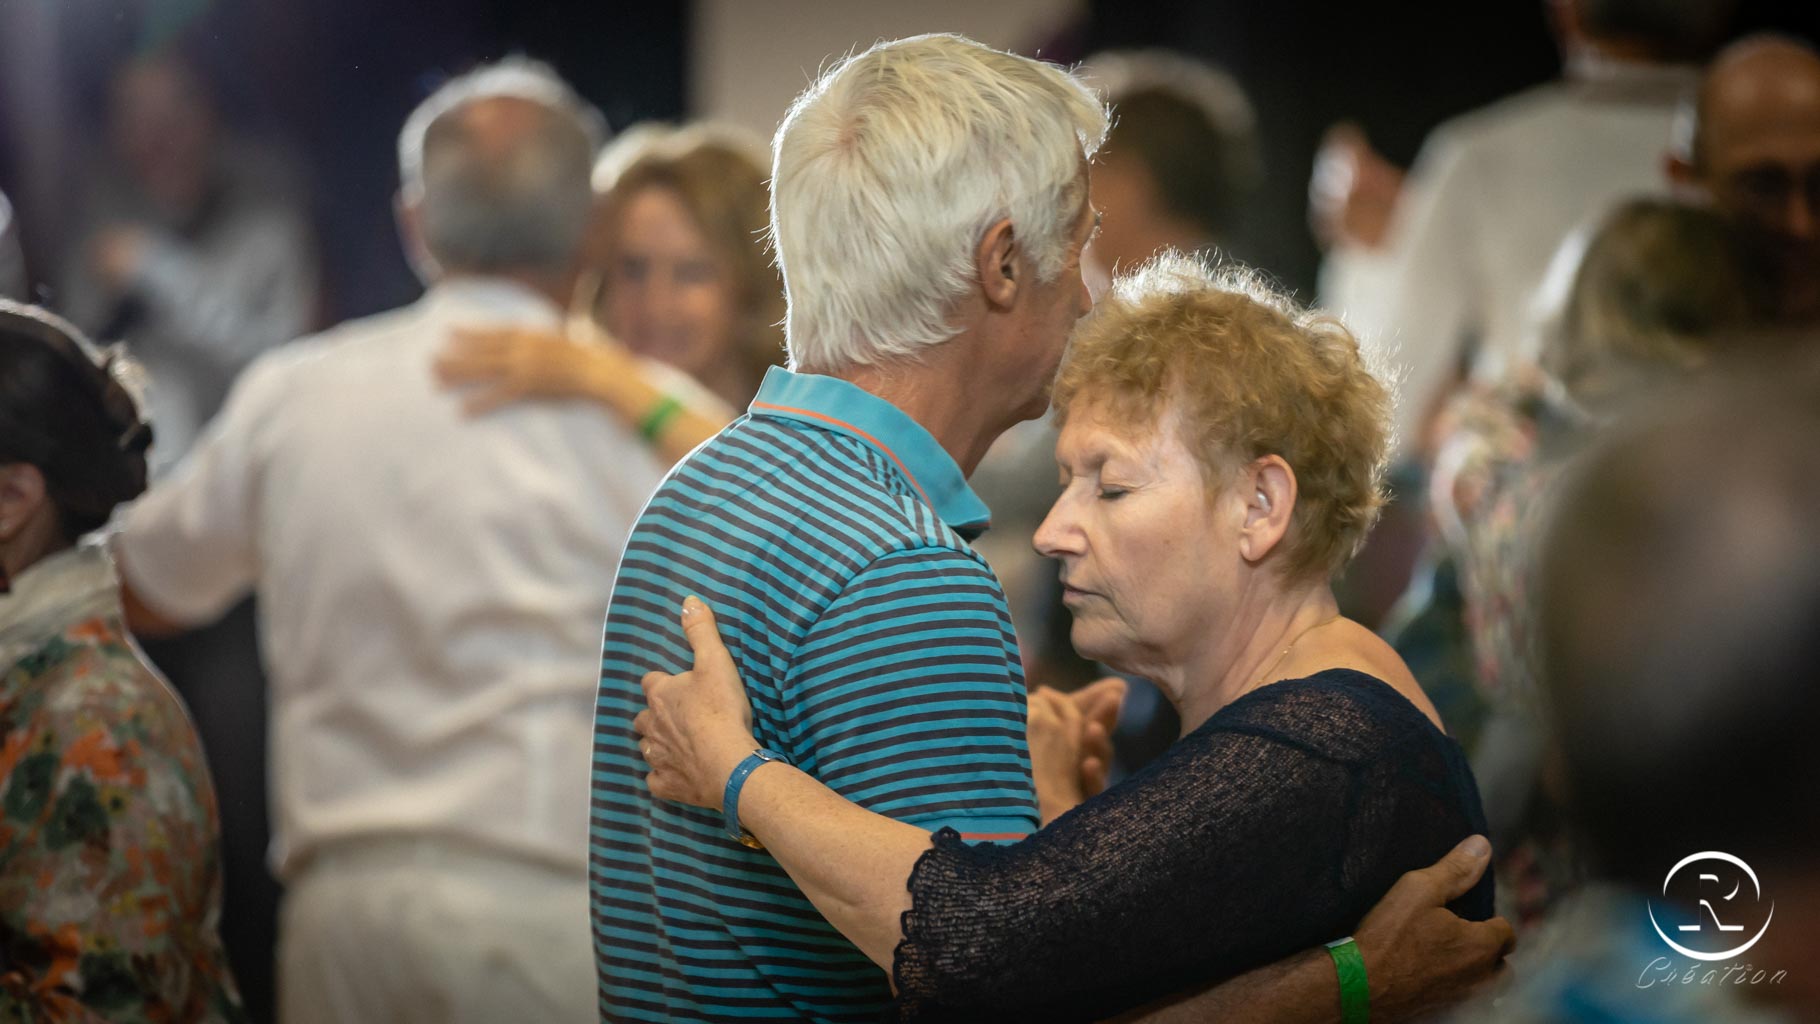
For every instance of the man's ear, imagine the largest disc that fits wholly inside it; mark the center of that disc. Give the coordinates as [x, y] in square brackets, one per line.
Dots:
[409, 216]
[1269, 489]
[995, 261]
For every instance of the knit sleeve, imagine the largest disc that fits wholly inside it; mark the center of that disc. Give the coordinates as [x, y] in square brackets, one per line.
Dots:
[1243, 844]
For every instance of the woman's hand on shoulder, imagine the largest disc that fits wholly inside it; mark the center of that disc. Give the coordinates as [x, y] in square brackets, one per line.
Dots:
[498, 366]
[696, 726]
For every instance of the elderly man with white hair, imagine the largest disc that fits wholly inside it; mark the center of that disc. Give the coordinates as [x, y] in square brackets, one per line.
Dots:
[430, 586]
[929, 207]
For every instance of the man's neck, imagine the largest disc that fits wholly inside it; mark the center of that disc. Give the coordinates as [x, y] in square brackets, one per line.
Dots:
[558, 288]
[942, 400]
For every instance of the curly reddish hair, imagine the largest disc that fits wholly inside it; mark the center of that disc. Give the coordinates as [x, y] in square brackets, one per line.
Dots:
[1251, 374]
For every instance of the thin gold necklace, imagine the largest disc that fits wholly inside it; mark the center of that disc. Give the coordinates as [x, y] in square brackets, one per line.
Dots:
[1265, 675]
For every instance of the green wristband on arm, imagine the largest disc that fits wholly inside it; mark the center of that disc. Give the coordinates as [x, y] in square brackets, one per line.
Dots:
[659, 417]
[1355, 990]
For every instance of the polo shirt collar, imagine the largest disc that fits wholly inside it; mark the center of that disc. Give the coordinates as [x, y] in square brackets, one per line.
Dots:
[835, 404]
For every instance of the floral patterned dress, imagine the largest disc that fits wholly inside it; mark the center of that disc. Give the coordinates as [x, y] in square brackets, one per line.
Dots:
[1496, 477]
[110, 888]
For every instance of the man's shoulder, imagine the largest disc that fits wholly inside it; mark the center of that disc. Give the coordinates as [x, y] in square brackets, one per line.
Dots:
[335, 343]
[1519, 112]
[1555, 115]
[816, 477]
[289, 371]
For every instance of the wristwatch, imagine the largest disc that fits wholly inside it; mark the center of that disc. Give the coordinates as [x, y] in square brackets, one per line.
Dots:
[729, 801]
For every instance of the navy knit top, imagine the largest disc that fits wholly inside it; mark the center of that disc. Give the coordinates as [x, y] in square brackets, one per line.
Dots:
[1271, 828]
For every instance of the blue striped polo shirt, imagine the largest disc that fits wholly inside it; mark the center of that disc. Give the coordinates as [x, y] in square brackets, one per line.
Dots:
[829, 531]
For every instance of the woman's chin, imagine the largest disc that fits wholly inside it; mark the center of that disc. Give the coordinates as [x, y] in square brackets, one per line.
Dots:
[1093, 646]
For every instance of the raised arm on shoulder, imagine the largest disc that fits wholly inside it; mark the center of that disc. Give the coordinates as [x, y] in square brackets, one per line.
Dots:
[505, 365]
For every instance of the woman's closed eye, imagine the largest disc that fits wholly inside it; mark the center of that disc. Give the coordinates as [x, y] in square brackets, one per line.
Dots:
[1110, 492]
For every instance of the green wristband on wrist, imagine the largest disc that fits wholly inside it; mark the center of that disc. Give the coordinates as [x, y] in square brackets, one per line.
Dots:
[1355, 990]
[659, 417]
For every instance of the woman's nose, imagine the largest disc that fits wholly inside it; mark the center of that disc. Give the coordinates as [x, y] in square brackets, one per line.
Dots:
[1057, 536]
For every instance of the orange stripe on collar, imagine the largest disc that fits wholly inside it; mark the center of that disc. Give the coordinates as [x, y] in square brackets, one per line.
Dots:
[851, 429]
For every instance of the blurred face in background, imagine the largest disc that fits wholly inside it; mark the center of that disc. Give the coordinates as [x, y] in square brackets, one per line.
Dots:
[1760, 160]
[163, 130]
[665, 292]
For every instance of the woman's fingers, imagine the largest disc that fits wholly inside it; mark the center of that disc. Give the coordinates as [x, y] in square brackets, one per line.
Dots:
[474, 353]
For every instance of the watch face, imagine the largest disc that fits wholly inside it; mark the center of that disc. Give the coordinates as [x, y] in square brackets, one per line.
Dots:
[750, 842]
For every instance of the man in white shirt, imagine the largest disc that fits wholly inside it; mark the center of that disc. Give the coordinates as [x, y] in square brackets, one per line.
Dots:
[430, 587]
[1495, 191]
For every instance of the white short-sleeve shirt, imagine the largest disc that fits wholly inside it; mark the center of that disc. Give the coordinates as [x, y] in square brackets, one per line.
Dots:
[1493, 195]
[431, 585]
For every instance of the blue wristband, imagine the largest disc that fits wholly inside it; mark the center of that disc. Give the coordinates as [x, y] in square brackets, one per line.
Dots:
[729, 799]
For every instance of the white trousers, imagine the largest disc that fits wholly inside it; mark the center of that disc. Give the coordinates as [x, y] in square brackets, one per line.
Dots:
[419, 931]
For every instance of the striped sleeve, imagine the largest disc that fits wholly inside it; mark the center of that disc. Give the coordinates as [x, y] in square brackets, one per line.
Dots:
[909, 700]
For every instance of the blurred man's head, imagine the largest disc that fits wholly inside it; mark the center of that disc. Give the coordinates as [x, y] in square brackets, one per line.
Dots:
[161, 121]
[494, 171]
[1180, 160]
[1680, 613]
[1652, 31]
[898, 169]
[1752, 148]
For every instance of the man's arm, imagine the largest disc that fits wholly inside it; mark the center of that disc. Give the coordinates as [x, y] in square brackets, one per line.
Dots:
[142, 619]
[1419, 957]
[188, 549]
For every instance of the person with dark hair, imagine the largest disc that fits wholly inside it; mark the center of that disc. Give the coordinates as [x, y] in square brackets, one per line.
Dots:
[110, 888]
[430, 588]
[1678, 631]
[1180, 161]
[1654, 293]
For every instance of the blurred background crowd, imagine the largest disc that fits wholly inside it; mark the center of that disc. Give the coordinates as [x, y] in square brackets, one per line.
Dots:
[1535, 215]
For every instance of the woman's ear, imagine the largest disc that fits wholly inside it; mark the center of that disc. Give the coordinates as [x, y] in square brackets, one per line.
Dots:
[21, 498]
[1269, 487]
[996, 264]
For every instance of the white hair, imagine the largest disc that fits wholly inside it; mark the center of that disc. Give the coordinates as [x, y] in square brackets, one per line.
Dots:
[487, 210]
[888, 171]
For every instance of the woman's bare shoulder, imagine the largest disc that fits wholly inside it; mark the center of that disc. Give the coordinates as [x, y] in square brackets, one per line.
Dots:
[1353, 646]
